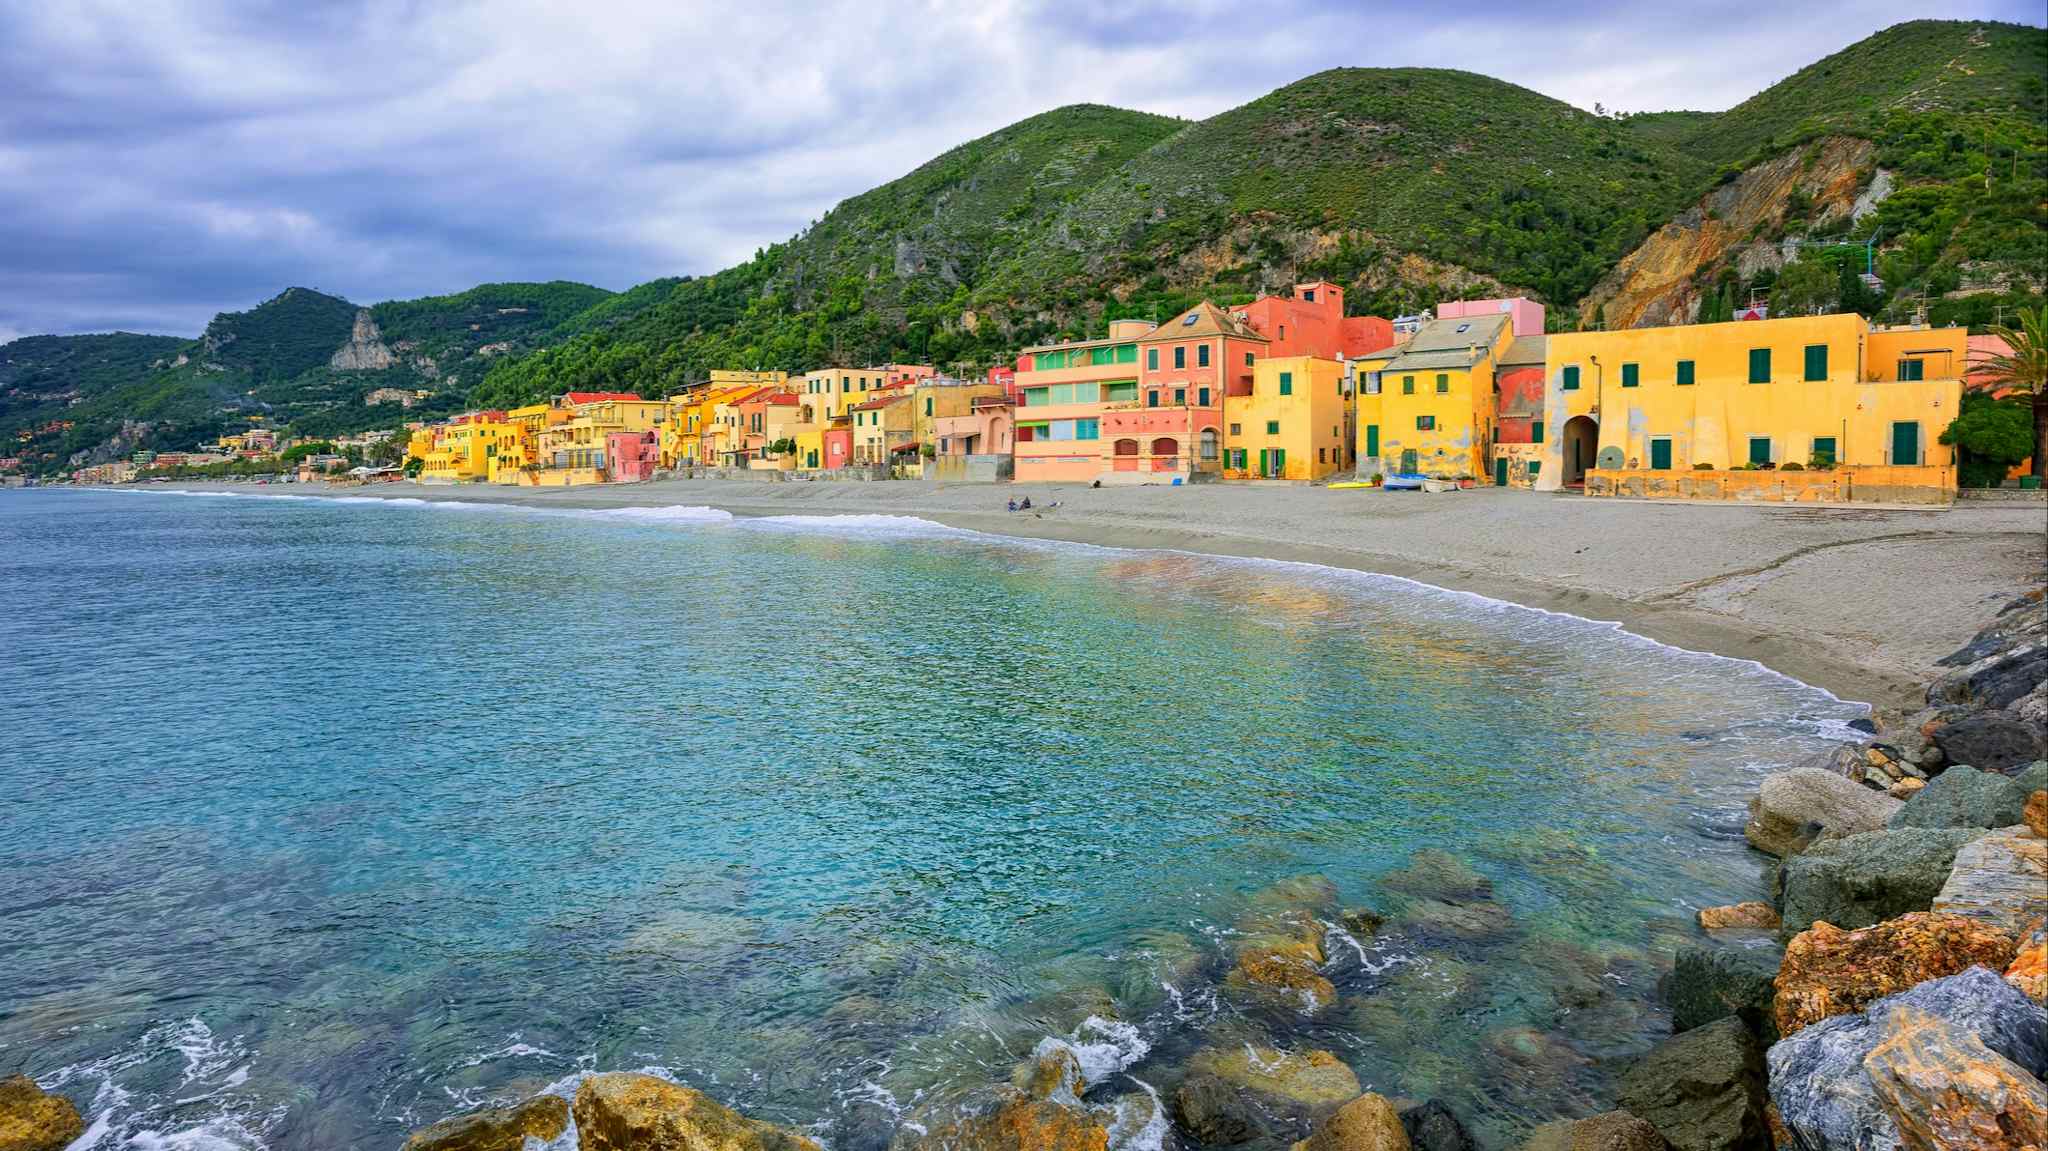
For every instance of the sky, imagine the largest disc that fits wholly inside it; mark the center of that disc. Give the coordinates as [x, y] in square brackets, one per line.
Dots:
[164, 161]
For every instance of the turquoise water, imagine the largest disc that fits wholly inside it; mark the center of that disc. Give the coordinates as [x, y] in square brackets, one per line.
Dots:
[329, 818]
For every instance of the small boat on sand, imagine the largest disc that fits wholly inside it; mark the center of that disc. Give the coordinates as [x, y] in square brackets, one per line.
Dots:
[1404, 482]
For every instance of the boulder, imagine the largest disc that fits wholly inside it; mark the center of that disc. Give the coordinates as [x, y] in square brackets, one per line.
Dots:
[1434, 874]
[1869, 877]
[1607, 1131]
[622, 1111]
[1214, 1113]
[1285, 974]
[1820, 1081]
[1906, 788]
[2035, 814]
[495, 1128]
[1753, 915]
[1020, 1125]
[1481, 921]
[1431, 1126]
[1943, 1088]
[2029, 968]
[1828, 971]
[1367, 1123]
[32, 1119]
[1280, 948]
[1709, 983]
[2000, 878]
[1992, 740]
[1053, 1072]
[2002, 673]
[1293, 1080]
[1702, 1090]
[1963, 797]
[1788, 805]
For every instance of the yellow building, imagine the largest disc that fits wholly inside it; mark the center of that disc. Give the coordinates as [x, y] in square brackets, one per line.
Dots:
[881, 425]
[937, 397]
[1428, 406]
[569, 452]
[1294, 426]
[465, 447]
[417, 444]
[1756, 395]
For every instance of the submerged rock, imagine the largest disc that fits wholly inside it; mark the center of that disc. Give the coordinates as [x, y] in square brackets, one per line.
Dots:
[1431, 1126]
[1790, 803]
[1292, 977]
[1828, 971]
[1753, 915]
[1821, 1079]
[1214, 1113]
[495, 1128]
[1608, 1131]
[1367, 1123]
[621, 1111]
[2000, 878]
[1053, 1072]
[1312, 1079]
[1963, 797]
[1702, 1090]
[1869, 877]
[1281, 948]
[1434, 874]
[1481, 921]
[1710, 983]
[32, 1119]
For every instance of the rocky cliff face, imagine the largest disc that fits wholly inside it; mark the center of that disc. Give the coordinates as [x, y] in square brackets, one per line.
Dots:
[1658, 283]
[365, 350]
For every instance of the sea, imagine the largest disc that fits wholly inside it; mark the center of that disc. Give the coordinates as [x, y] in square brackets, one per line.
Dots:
[328, 818]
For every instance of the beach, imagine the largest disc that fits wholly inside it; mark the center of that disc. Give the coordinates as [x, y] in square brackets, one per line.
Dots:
[1859, 601]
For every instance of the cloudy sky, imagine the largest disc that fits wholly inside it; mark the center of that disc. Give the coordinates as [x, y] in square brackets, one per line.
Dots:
[165, 160]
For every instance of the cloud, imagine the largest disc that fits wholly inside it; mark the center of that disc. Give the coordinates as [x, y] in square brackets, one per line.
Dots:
[159, 163]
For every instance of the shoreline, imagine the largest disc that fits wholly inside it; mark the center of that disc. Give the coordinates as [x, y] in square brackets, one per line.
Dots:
[1776, 600]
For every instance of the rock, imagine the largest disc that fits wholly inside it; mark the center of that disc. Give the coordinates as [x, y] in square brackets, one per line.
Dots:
[1367, 1123]
[1710, 983]
[1362, 922]
[1788, 802]
[1214, 1113]
[1478, 922]
[1963, 797]
[1607, 1131]
[2002, 673]
[32, 1119]
[1286, 976]
[1753, 914]
[2000, 878]
[2029, 969]
[1943, 1088]
[496, 1128]
[1869, 877]
[1702, 1090]
[622, 1111]
[1314, 1079]
[1820, 1082]
[1431, 1126]
[1992, 740]
[1053, 1072]
[1828, 971]
[365, 350]
[1281, 950]
[1433, 874]
[2035, 813]
[1906, 788]
[1021, 1125]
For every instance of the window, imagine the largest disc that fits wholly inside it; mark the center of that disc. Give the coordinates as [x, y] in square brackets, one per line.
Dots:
[928, 405]
[1208, 443]
[1463, 328]
[1570, 383]
[1120, 392]
[1286, 383]
[1308, 295]
[1824, 450]
[1685, 373]
[1087, 429]
[1180, 356]
[1152, 359]
[1237, 429]
[1180, 396]
[1407, 385]
[1188, 321]
[1425, 423]
[1631, 375]
[1152, 398]
[1912, 369]
[1322, 455]
[1036, 397]
[1127, 353]
[1272, 427]
[1247, 359]
[1202, 397]
[1816, 363]
[1759, 365]
[1102, 355]
[1443, 383]
[1202, 355]
[1760, 447]
[1535, 431]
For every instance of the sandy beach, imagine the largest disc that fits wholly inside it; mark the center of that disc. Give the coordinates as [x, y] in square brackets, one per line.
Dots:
[1859, 601]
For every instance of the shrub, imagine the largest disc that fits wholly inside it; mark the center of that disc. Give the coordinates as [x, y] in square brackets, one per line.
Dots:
[1703, 467]
[1793, 466]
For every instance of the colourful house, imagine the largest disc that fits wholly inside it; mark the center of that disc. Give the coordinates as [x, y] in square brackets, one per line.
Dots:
[1864, 407]
[1518, 416]
[1312, 322]
[1430, 409]
[837, 442]
[883, 427]
[936, 398]
[767, 417]
[1188, 365]
[1063, 393]
[465, 446]
[631, 457]
[1294, 424]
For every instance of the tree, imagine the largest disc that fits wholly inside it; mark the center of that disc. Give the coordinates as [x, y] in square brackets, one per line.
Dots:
[414, 466]
[1805, 288]
[1990, 436]
[2023, 370]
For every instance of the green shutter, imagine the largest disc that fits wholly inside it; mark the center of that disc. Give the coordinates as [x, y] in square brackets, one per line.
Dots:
[1816, 362]
[1272, 427]
[1905, 443]
[1759, 365]
[1407, 385]
[1823, 450]
[1660, 454]
[1152, 359]
[1536, 431]
[1685, 373]
[1286, 383]
[1443, 383]
[1760, 447]
[1571, 378]
[1631, 375]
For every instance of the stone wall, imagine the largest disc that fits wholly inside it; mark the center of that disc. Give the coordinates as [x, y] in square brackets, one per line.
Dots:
[1873, 484]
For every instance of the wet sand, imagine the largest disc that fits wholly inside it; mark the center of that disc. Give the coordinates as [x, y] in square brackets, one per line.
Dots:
[1859, 601]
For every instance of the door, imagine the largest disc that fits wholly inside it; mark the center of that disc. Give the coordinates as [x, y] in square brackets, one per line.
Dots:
[1372, 441]
[1263, 454]
[1408, 462]
[1660, 454]
[1500, 472]
[1759, 449]
[1279, 462]
[1905, 443]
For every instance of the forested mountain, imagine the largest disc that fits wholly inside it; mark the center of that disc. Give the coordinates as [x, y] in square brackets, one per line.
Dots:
[1920, 153]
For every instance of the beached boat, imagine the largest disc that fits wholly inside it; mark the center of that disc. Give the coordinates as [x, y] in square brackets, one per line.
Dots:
[1436, 485]
[1350, 484]
[1403, 483]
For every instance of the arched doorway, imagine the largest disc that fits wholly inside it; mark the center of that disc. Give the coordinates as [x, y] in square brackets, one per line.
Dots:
[1580, 441]
[1126, 451]
[1165, 454]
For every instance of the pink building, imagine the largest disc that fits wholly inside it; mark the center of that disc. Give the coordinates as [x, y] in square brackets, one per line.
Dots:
[838, 441]
[986, 430]
[1312, 323]
[1524, 314]
[631, 457]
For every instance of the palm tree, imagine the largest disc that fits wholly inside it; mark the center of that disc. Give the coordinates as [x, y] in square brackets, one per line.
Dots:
[2023, 369]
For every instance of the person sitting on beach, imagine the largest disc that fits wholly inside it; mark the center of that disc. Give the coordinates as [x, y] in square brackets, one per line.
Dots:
[1026, 505]
[1013, 505]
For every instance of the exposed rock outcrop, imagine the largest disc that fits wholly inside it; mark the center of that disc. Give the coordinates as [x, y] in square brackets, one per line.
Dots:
[542, 1117]
[1869, 877]
[1281, 949]
[1702, 1090]
[365, 350]
[1288, 1080]
[1367, 1123]
[2000, 878]
[1828, 971]
[32, 1119]
[1790, 805]
[622, 1111]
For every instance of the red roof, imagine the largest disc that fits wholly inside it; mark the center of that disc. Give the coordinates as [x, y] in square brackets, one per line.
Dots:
[780, 399]
[599, 397]
[871, 405]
